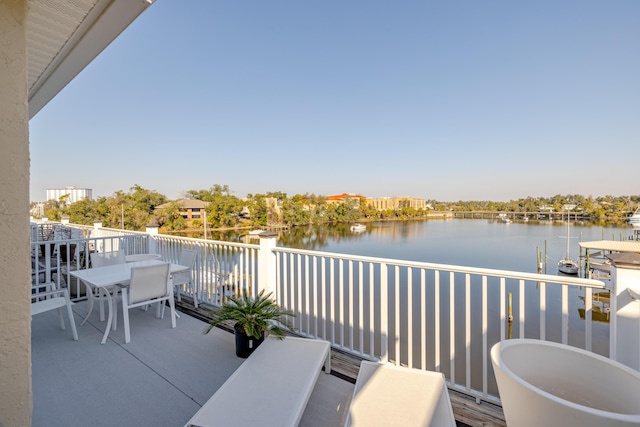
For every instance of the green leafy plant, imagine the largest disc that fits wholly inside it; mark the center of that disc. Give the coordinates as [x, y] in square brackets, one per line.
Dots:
[252, 315]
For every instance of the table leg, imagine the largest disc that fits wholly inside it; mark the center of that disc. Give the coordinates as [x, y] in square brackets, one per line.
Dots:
[91, 297]
[114, 309]
[109, 316]
[171, 288]
[327, 362]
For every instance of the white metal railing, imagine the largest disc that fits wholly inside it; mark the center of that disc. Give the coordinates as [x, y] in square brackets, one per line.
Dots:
[222, 268]
[435, 317]
[137, 243]
[427, 316]
[54, 260]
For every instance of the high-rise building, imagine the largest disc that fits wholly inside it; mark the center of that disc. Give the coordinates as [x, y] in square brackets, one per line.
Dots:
[75, 194]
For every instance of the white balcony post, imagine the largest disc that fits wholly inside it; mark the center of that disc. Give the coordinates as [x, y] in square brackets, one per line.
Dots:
[64, 219]
[152, 230]
[97, 225]
[267, 263]
[625, 327]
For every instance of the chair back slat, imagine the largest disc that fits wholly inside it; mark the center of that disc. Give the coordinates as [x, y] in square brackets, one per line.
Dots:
[148, 283]
[188, 258]
[102, 259]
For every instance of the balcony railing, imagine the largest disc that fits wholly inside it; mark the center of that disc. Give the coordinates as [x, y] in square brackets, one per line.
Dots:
[435, 317]
[222, 268]
[428, 316]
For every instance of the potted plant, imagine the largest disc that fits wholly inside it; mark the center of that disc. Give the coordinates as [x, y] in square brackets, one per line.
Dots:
[253, 317]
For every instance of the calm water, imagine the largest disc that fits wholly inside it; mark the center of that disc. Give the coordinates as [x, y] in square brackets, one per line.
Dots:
[467, 242]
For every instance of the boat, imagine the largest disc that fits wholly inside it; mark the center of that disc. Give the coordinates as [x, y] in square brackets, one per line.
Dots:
[635, 218]
[566, 265]
[358, 228]
[505, 220]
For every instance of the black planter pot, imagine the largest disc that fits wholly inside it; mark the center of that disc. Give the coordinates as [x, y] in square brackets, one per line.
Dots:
[245, 345]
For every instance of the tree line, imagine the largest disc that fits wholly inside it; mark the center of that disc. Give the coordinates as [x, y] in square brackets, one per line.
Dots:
[136, 209]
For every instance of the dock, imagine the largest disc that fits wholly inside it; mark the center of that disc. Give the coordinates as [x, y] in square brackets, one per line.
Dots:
[596, 255]
[525, 216]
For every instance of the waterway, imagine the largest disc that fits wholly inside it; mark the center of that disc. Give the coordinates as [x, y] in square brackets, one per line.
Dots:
[468, 242]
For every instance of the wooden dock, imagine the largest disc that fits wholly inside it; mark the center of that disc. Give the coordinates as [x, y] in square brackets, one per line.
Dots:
[346, 366]
[520, 216]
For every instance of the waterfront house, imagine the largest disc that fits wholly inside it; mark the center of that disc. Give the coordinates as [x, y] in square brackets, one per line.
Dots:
[355, 199]
[190, 209]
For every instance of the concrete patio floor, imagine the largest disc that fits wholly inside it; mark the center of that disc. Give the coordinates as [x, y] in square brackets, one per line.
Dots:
[161, 378]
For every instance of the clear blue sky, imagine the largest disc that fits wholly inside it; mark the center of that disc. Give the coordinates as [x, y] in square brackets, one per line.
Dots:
[447, 100]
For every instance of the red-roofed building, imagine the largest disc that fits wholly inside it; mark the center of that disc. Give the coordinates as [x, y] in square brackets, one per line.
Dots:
[340, 198]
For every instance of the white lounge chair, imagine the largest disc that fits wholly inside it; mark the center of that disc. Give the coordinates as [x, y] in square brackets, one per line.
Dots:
[388, 395]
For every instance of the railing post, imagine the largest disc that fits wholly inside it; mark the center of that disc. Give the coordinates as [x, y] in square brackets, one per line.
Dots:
[267, 263]
[97, 225]
[152, 230]
[624, 344]
[64, 219]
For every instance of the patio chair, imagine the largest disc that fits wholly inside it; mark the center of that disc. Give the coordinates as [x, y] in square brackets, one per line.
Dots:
[102, 259]
[148, 285]
[184, 279]
[46, 297]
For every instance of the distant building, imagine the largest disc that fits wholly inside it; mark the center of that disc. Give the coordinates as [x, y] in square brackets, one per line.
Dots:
[74, 194]
[341, 198]
[190, 209]
[274, 204]
[396, 203]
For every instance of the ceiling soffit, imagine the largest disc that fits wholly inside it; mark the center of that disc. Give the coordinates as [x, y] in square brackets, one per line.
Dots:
[64, 36]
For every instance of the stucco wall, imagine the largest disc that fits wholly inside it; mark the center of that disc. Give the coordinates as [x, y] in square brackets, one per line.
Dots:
[15, 275]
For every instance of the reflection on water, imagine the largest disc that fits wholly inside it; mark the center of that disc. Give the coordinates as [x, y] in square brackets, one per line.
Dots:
[467, 242]
[475, 243]
[601, 307]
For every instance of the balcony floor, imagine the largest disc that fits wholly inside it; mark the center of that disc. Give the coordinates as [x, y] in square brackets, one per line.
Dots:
[161, 378]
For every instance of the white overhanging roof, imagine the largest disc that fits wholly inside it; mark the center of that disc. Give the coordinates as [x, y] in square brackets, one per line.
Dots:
[64, 36]
[612, 245]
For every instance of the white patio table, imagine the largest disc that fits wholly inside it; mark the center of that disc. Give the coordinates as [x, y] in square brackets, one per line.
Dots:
[103, 277]
[141, 257]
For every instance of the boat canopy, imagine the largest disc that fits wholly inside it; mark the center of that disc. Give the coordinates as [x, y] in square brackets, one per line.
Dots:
[612, 245]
